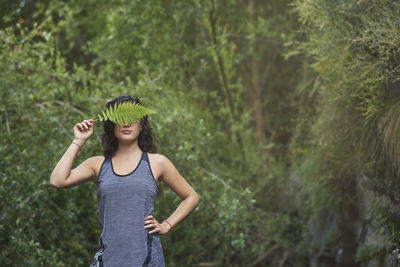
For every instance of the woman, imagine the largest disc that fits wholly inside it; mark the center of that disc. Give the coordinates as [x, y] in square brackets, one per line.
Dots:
[127, 179]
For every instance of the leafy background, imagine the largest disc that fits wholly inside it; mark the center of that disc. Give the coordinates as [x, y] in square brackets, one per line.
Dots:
[283, 116]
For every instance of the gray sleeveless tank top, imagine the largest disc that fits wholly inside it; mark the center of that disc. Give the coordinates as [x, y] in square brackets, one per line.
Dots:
[124, 202]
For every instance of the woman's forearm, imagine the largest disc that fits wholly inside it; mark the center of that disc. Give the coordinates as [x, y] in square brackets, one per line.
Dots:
[63, 168]
[183, 210]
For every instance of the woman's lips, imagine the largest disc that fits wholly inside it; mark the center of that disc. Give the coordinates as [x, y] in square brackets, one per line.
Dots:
[126, 132]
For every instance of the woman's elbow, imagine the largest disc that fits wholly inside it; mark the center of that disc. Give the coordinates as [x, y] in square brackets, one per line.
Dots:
[196, 199]
[54, 184]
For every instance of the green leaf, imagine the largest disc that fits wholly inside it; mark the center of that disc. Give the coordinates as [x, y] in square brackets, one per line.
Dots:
[126, 112]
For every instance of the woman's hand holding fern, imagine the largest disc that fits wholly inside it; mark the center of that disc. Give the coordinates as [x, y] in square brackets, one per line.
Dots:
[83, 130]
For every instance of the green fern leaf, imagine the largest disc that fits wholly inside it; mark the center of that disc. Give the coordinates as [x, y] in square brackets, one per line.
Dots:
[126, 112]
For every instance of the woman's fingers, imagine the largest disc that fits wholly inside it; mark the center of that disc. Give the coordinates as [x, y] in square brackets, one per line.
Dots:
[151, 222]
[153, 231]
[149, 226]
[88, 123]
[152, 225]
[85, 124]
[79, 126]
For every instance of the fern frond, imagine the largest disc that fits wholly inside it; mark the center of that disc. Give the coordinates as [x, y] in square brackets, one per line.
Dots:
[126, 112]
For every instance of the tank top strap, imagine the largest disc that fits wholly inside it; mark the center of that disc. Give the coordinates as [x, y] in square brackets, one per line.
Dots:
[147, 161]
[104, 170]
[145, 156]
[148, 167]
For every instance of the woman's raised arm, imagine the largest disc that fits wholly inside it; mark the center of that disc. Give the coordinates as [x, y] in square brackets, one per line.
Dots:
[62, 175]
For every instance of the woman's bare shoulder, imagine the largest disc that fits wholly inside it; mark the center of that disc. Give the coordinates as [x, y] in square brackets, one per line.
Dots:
[156, 164]
[156, 156]
[96, 162]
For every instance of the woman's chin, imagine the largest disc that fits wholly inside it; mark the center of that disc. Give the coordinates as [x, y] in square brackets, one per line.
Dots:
[127, 138]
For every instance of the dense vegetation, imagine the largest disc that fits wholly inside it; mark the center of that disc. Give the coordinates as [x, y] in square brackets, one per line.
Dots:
[283, 116]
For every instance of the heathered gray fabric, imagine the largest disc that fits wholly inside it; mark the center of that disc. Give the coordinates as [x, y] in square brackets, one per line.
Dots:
[124, 202]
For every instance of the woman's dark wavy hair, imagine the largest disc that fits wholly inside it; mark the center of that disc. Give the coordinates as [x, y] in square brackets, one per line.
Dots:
[108, 140]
